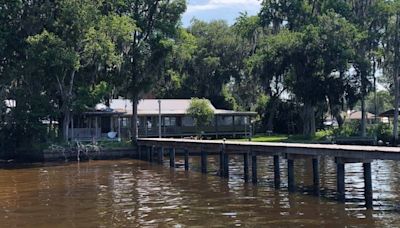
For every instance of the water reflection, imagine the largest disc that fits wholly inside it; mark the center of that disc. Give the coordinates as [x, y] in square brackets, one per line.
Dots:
[136, 194]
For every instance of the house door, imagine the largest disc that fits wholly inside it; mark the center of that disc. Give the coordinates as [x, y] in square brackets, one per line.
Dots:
[105, 124]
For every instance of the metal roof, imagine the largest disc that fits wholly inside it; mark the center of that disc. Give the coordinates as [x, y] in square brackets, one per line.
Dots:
[168, 107]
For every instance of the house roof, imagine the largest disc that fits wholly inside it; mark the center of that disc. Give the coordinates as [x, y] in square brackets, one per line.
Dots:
[357, 115]
[388, 113]
[168, 107]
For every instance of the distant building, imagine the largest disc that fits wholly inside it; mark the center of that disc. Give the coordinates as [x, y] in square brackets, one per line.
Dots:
[349, 116]
[352, 115]
[115, 120]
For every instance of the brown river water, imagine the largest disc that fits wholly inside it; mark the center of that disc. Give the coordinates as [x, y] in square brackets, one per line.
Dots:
[131, 193]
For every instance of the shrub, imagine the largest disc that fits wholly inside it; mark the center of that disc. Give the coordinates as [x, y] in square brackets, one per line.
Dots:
[201, 112]
[382, 131]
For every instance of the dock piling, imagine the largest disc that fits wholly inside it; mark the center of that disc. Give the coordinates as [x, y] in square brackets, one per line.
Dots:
[254, 168]
[246, 167]
[203, 161]
[340, 184]
[277, 173]
[161, 156]
[186, 159]
[150, 155]
[226, 164]
[139, 152]
[172, 158]
[290, 169]
[368, 185]
[316, 182]
[221, 163]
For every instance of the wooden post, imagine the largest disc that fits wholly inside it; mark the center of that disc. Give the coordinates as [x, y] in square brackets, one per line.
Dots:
[277, 172]
[221, 163]
[72, 127]
[161, 156]
[139, 152]
[216, 126]
[172, 158]
[186, 159]
[315, 165]
[246, 167]
[254, 168]
[203, 161]
[226, 165]
[119, 128]
[233, 124]
[340, 185]
[96, 127]
[291, 184]
[150, 155]
[368, 185]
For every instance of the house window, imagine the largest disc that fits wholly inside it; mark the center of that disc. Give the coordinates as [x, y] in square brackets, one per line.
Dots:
[225, 120]
[187, 121]
[124, 122]
[240, 120]
[169, 121]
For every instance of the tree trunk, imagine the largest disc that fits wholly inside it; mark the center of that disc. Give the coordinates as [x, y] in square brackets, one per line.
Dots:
[134, 120]
[272, 108]
[363, 116]
[396, 81]
[336, 111]
[308, 120]
[66, 122]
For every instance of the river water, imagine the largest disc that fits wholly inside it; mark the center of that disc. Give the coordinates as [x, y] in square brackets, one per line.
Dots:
[131, 193]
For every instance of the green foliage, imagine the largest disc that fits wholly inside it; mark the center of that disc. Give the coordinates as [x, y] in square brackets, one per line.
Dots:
[204, 58]
[201, 112]
[325, 135]
[348, 129]
[384, 102]
[62, 57]
[89, 97]
[381, 131]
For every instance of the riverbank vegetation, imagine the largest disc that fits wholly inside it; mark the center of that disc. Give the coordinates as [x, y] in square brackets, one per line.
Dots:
[295, 63]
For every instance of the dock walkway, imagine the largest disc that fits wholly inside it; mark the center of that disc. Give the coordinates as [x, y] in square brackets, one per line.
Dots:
[151, 148]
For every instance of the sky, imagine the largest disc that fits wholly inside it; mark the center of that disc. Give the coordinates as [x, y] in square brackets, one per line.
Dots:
[228, 10]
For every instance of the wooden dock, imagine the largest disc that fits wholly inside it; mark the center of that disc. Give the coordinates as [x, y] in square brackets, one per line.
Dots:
[151, 148]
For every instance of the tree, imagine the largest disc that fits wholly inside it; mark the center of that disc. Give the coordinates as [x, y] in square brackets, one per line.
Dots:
[80, 39]
[201, 112]
[310, 51]
[157, 23]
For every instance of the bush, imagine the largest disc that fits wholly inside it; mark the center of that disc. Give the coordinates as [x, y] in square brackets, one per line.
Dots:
[382, 131]
[201, 112]
[348, 129]
[323, 135]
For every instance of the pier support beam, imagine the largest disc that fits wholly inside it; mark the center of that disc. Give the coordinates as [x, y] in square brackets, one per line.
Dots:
[161, 156]
[203, 161]
[186, 159]
[150, 154]
[226, 164]
[139, 152]
[254, 168]
[368, 185]
[340, 185]
[316, 183]
[221, 163]
[172, 158]
[246, 167]
[277, 172]
[290, 170]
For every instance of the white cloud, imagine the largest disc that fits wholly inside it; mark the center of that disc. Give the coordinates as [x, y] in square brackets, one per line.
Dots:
[216, 4]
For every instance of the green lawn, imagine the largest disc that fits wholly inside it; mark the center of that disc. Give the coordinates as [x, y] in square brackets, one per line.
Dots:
[265, 138]
[285, 138]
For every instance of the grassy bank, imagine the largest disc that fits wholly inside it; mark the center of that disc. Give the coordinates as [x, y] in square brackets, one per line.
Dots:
[287, 139]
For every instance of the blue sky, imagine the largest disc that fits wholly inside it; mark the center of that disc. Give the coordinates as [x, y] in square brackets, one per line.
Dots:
[228, 10]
